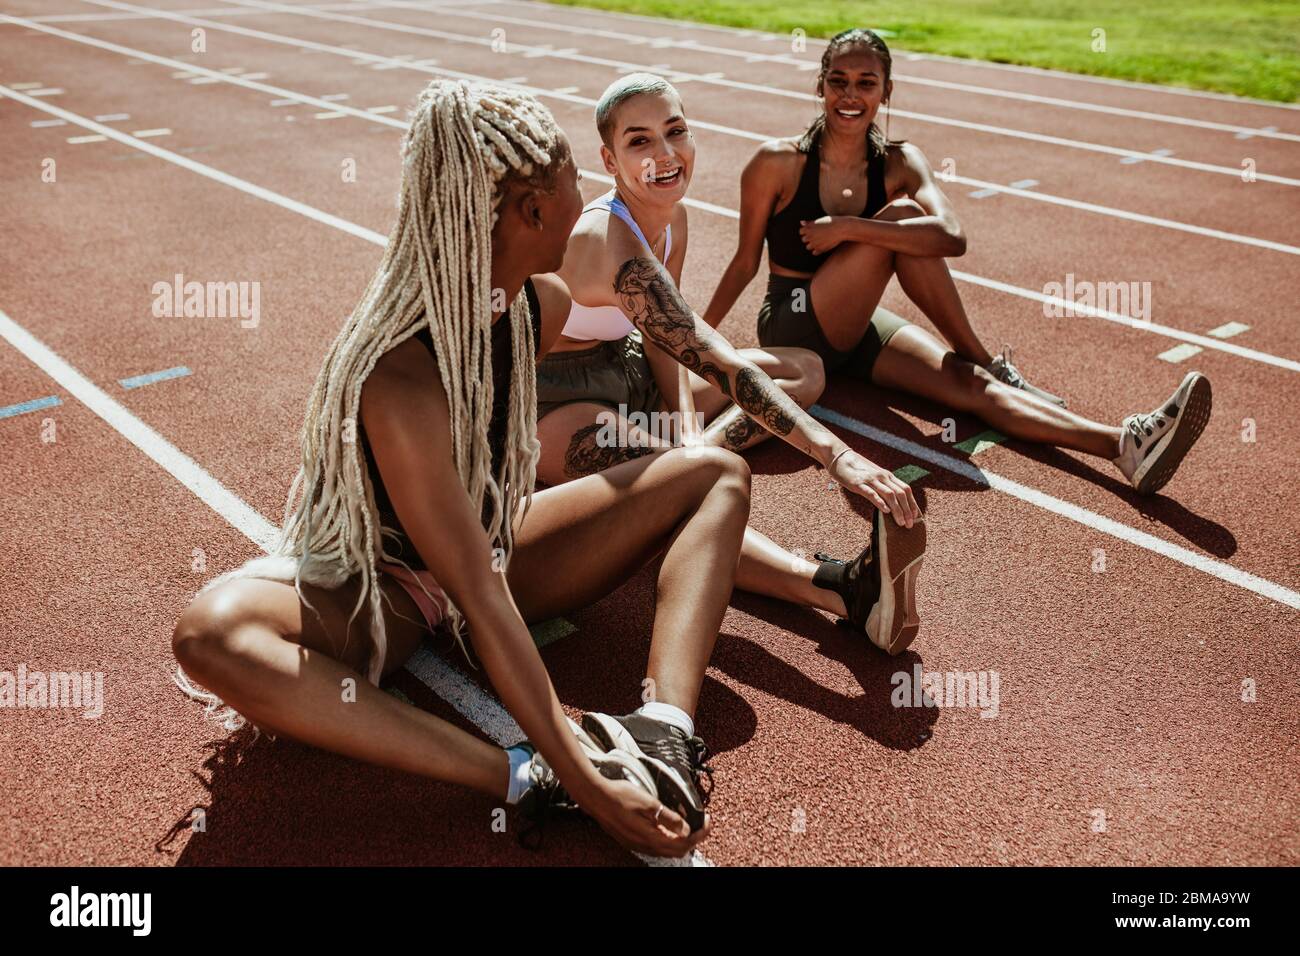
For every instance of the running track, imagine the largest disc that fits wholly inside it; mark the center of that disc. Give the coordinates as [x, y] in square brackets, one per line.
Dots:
[1120, 689]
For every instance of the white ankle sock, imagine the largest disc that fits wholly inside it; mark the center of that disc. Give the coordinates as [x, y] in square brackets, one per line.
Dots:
[520, 758]
[670, 715]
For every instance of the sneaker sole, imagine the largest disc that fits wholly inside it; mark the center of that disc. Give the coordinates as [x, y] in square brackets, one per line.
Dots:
[675, 793]
[893, 622]
[1159, 466]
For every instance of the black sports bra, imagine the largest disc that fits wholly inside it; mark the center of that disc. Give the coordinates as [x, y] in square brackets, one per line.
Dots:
[785, 246]
[502, 366]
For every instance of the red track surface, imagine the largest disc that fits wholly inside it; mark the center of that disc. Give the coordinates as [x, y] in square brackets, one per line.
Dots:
[1120, 690]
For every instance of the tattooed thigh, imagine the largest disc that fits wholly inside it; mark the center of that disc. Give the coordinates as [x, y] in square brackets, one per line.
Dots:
[587, 454]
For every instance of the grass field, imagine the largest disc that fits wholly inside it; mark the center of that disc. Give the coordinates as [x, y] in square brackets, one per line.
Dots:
[1249, 48]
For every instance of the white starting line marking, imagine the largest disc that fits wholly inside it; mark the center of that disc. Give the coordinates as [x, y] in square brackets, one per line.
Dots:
[1179, 353]
[1229, 330]
[78, 140]
[42, 124]
[381, 109]
[147, 133]
[329, 116]
[26, 86]
[1132, 160]
[47, 91]
[113, 118]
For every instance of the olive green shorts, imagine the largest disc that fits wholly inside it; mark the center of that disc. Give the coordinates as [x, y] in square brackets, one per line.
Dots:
[786, 318]
[611, 373]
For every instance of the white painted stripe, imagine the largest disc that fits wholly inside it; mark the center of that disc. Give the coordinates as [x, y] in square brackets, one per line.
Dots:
[899, 77]
[986, 188]
[78, 140]
[180, 466]
[1179, 353]
[26, 86]
[545, 50]
[146, 133]
[1199, 562]
[381, 109]
[43, 124]
[480, 708]
[47, 91]
[1229, 330]
[1119, 318]
[196, 167]
[112, 117]
[995, 284]
[329, 116]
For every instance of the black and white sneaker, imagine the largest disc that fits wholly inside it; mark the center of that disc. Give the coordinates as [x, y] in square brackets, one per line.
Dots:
[674, 760]
[1152, 446]
[546, 796]
[1006, 373]
[879, 586]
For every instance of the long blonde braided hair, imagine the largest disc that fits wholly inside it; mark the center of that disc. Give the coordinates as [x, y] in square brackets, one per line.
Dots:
[465, 143]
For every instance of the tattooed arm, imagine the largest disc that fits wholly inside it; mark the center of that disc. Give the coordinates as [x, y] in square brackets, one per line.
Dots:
[650, 299]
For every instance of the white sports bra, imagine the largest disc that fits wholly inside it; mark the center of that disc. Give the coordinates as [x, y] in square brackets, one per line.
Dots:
[607, 323]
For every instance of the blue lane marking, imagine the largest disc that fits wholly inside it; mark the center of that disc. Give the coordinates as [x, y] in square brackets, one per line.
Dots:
[177, 372]
[35, 404]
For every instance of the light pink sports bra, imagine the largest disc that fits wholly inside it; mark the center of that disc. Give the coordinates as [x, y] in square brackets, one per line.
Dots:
[607, 323]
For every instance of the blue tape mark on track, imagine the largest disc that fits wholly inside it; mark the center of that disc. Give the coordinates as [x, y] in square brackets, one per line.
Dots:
[179, 371]
[9, 411]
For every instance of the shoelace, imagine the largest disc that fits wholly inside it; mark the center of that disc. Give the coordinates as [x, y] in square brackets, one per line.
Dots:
[1139, 425]
[1010, 375]
[691, 751]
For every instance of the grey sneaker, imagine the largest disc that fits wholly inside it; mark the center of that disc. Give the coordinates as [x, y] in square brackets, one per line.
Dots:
[546, 795]
[1006, 373]
[1153, 445]
[674, 760]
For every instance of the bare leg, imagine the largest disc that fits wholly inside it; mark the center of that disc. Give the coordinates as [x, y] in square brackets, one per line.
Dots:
[253, 643]
[849, 285]
[570, 445]
[914, 361]
[582, 539]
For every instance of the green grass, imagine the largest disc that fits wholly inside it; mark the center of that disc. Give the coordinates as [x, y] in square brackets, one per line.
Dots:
[1251, 48]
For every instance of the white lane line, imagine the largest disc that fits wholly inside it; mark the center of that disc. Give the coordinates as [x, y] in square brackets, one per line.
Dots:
[478, 707]
[619, 65]
[1218, 569]
[961, 61]
[1134, 160]
[899, 77]
[196, 167]
[998, 285]
[175, 462]
[1090, 519]
[1179, 353]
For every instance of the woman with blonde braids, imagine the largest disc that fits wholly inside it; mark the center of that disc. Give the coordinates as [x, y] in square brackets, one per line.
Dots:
[411, 510]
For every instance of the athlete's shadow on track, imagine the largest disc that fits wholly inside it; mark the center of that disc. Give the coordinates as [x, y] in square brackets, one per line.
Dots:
[882, 408]
[871, 712]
